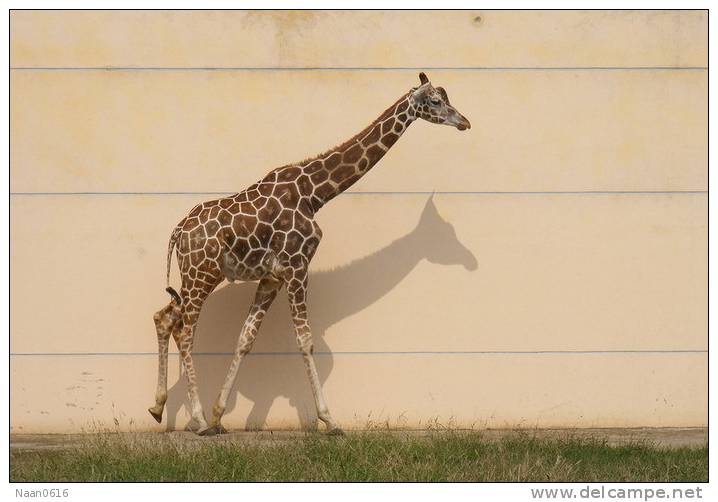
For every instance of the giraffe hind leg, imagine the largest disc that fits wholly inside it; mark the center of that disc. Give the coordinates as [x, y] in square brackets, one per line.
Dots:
[185, 349]
[166, 321]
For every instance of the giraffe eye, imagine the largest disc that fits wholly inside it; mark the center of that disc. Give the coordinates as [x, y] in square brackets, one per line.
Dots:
[435, 102]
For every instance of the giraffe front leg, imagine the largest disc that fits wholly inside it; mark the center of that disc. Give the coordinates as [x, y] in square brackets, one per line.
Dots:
[165, 321]
[296, 290]
[266, 293]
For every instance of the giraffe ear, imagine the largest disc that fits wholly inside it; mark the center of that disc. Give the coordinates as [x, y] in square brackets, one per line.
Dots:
[423, 78]
[443, 94]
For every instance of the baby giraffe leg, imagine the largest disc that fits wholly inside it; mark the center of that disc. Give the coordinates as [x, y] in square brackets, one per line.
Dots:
[296, 291]
[165, 322]
[266, 293]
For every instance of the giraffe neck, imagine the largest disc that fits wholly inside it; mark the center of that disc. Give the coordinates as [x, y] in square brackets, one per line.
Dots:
[336, 170]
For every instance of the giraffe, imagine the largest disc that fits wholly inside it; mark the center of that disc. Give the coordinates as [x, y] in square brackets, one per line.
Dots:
[268, 233]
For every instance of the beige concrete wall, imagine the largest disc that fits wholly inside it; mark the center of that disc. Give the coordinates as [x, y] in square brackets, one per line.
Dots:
[557, 278]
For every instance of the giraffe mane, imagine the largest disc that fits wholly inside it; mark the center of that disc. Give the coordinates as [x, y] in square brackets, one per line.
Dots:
[343, 146]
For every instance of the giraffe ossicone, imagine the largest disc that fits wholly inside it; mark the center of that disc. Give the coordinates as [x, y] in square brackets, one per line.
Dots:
[267, 233]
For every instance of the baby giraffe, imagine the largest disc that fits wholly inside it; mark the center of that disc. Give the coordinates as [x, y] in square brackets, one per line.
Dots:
[267, 233]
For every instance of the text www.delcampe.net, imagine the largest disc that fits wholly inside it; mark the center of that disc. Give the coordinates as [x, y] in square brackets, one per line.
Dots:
[617, 493]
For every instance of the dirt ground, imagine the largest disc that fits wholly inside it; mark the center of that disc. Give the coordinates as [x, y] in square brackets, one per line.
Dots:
[662, 437]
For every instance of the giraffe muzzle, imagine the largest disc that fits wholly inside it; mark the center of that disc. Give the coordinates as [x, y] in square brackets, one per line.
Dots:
[458, 120]
[463, 123]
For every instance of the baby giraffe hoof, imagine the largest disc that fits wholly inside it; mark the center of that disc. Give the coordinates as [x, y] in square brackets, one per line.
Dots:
[156, 414]
[336, 431]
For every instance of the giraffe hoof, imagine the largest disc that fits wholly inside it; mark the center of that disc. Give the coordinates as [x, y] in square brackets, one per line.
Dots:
[157, 415]
[212, 430]
[207, 431]
[336, 431]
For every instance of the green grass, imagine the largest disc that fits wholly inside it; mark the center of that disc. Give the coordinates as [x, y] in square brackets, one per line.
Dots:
[370, 456]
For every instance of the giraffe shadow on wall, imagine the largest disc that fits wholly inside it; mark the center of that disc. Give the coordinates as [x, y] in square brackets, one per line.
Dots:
[265, 376]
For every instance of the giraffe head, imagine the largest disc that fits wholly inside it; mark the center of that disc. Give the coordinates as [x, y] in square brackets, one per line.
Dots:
[432, 104]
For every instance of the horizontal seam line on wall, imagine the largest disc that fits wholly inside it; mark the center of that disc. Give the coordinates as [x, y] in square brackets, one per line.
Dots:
[358, 68]
[417, 192]
[351, 353]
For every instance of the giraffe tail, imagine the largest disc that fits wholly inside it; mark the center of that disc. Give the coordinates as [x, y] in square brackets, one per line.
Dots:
[170, 248]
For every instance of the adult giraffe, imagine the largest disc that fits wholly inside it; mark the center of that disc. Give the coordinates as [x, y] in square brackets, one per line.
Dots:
[268, 233]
